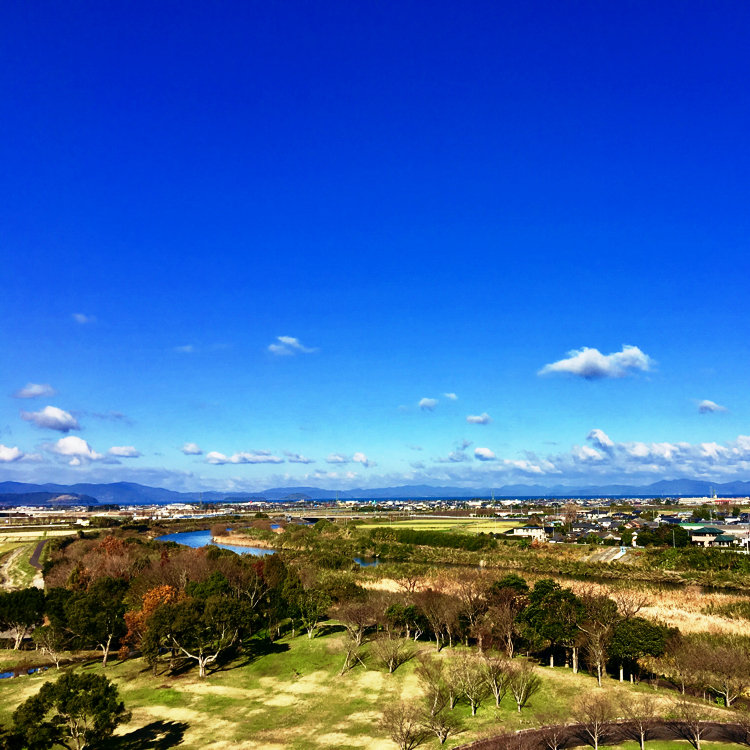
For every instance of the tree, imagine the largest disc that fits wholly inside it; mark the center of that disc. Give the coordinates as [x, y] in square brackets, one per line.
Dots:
[392, 652]
[200, 630]
[552, 615]
[312, 605]
[95, 616]
[51, 640]
[635, 637]
[404, 724]
[726, 669]
[496, 676]
[77, 710]
[688, 721]
[441, 724]
[600, 615]
[594, 713]
[523, 682]
[20, 611]
[431, 674]
[470, 677]
[641, 717]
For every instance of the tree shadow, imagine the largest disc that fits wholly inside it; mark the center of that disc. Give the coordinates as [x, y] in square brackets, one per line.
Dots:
[249, 654]
[158, 735]
[324, 630]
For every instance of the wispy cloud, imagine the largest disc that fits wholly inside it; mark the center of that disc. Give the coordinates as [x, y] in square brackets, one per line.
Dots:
[35, 390]
[710, 407]
[243, 457]
[185, 349]
[337, 458]
[191, 449]
[483, 418]
[427, 404]
[484, 454]
[83, 319]
[591, 364]
[52, 418]
[298, 458]
[361, 458]
[287, 346]
[124, 451]
[451, 396]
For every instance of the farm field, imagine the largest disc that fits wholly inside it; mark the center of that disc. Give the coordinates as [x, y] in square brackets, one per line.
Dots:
[295, 698]
[9, 535]
[462, 525]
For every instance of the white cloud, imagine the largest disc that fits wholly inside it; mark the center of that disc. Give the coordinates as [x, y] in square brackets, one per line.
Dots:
[52, 418]
[709, 407]
[243, 457]
[8, 454]
[483, 418]
[427, 404]
[76, 449]
[484, 454]
[124, 451]
[592, 364]
[185, 349]
[361, 458]
[191, 449]
[34, 390]
[288, 346]
[451, 396]
[82, 319]
[337, 458]
[586, 453]
[600, 439]
[298, 458]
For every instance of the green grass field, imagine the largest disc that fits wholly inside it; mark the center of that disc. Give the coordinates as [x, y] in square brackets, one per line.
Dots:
[462, 525]
[294, 698]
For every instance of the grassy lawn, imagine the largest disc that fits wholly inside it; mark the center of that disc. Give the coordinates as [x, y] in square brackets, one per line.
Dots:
[465, 525]
[294, 698]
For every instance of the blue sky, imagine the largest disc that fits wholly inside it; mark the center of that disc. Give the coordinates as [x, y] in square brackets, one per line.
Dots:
[268, 232]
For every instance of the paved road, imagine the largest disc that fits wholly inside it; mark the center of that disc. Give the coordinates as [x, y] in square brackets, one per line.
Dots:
[34, 559]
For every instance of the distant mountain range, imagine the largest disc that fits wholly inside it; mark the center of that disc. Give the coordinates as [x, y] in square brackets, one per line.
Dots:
[130, 493]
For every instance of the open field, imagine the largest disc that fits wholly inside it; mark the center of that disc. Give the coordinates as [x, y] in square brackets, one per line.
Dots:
[464, 525]
[294, 698]
[10, 535]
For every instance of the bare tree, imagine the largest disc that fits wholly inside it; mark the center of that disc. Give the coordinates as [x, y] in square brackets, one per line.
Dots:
[392, 652]
[356, 617]
[688, 721]
[641, 716]
[601, 614]
[630, 602]
[594, 713]
[726, 669]
[496, 673]
[741, 720]
[431, 674]
[441, 724]
[403, 723]
[553, 732]
[523, 682]
[470, 677]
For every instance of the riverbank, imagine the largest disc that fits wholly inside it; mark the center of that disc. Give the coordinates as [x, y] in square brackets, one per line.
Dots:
[242, 540]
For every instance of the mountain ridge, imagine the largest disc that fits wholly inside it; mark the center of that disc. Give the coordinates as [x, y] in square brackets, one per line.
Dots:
[132, 493]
